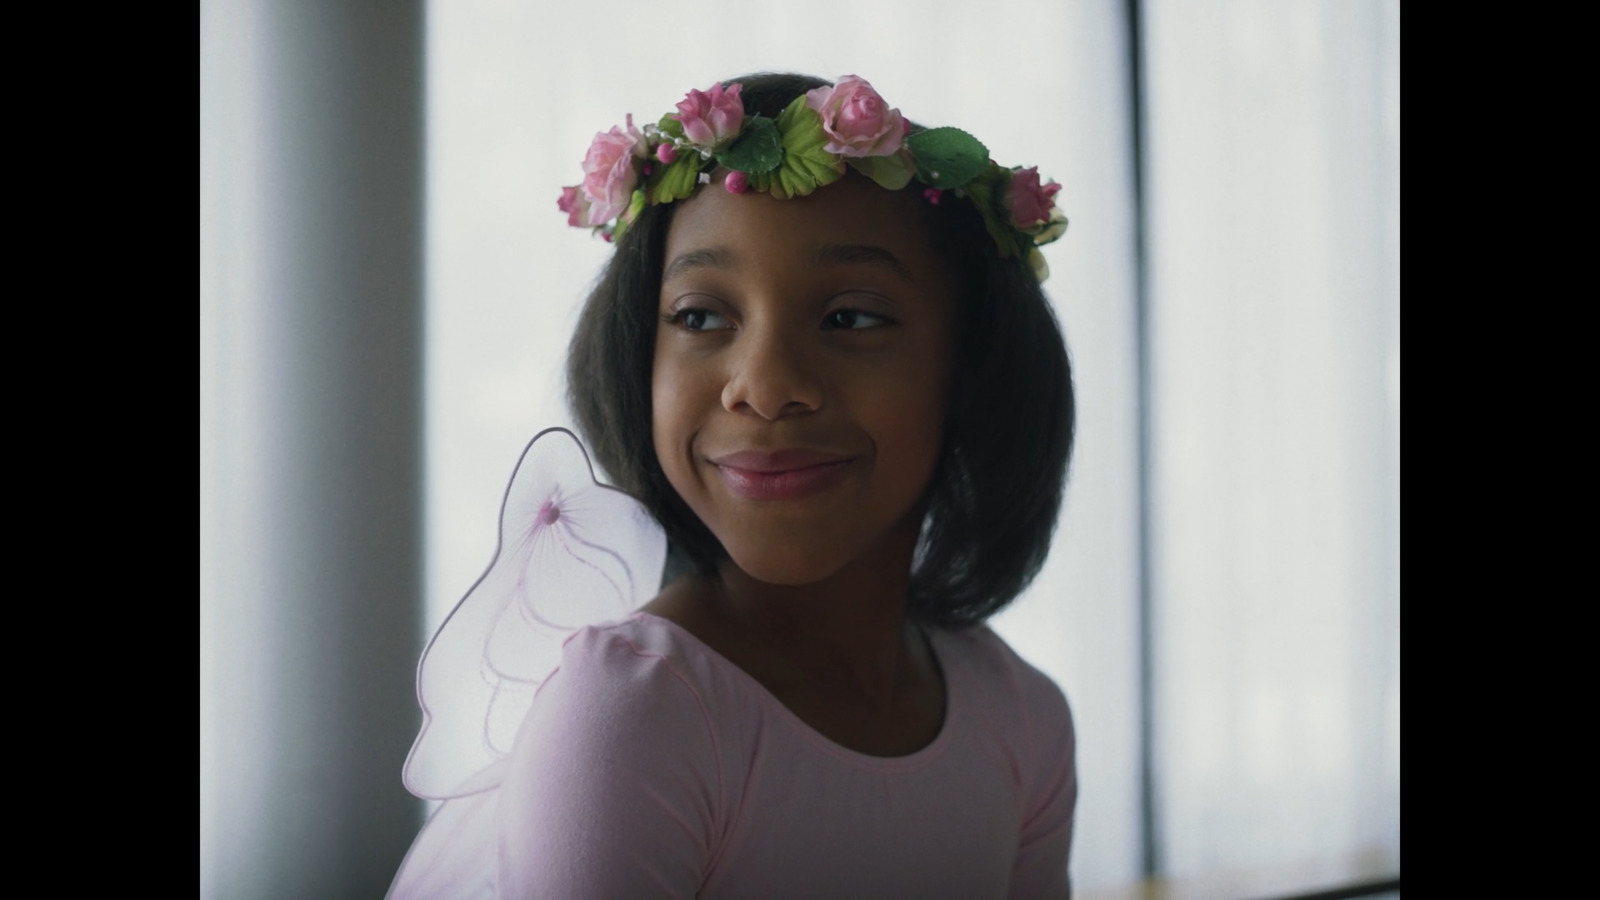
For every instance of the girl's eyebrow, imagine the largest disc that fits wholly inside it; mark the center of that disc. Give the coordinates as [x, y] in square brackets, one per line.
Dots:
[710, 257]
[861, 255]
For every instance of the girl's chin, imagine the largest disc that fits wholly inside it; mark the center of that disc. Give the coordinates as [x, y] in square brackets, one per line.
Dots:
[815, 555]
[784, 574]
[791, 566]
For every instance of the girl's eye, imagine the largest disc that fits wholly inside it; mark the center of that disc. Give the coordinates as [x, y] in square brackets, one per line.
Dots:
[854, 319]
[700, 320]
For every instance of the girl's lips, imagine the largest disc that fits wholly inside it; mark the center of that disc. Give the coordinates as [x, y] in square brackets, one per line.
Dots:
[780, 475]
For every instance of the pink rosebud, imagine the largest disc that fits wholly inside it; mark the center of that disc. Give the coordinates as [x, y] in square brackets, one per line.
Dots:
[736, 182]
[609, 172]
[667, 153]
[1028, 201]
[711, 119]
[856, 120]
[575, 205]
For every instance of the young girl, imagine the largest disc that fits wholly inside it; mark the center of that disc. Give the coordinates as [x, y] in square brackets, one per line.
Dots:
[820, 358]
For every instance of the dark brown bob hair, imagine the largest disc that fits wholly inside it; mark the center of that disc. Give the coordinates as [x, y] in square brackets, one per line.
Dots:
[995, 496]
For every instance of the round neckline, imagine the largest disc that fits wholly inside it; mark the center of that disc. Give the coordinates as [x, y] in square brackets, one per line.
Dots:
[917, 758]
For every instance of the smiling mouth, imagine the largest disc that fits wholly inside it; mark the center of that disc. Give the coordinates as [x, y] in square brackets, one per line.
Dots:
[780, 475]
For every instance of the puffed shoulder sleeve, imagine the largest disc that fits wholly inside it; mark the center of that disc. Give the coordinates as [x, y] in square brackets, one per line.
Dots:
[613, 784]
[1051, 790]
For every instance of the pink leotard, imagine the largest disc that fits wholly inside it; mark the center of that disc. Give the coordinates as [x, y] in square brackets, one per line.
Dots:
[650, 766]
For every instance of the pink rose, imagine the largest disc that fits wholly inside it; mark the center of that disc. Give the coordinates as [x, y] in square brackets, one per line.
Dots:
[575, 204]
[1028, 201]
[711, 118]
[609, 174]
[857, 121]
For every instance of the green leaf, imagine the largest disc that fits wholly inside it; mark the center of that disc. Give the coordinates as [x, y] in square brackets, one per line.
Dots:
[947, 157]
[1041, 269]
[677, 181]
[890, 172]
[1052, 230]
[671, 126]
[806, 166]
[988, 195]
[758, 148]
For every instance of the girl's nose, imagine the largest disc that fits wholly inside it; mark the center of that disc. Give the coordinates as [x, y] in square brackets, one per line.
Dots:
[771, 377]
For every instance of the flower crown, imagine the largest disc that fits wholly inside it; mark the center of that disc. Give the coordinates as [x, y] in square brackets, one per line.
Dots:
[806, 147]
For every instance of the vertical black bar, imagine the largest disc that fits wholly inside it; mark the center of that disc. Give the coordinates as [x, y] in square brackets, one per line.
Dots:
[1150, 857]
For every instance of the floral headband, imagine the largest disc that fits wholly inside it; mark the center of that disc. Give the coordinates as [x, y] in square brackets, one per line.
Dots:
[806, 147]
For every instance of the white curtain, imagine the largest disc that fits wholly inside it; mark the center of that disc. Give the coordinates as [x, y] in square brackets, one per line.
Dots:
[1274, 247]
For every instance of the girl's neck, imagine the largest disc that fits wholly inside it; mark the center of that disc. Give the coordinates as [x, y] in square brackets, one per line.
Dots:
[845, 634]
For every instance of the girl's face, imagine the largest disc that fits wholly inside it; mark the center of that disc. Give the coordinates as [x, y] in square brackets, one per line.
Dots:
[802, 367]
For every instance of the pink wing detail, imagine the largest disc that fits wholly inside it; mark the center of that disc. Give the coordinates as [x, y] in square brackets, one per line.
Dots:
[572, 553]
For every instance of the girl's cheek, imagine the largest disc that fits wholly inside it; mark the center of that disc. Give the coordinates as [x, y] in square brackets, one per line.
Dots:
[673, 417]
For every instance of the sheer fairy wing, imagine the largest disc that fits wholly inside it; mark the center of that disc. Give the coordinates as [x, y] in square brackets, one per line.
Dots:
[572, 553]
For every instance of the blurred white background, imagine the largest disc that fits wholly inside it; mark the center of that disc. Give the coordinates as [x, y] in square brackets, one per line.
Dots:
[1232, 523]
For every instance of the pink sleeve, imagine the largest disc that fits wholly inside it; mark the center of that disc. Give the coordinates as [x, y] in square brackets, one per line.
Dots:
[1040, 869]
[613, 784]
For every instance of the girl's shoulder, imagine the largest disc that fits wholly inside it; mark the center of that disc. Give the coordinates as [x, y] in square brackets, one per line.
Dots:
[615, 780]
[639, 635]
[992, 659]
[1006, 688]
[637, 654]
[625, 697]
[642, 665]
